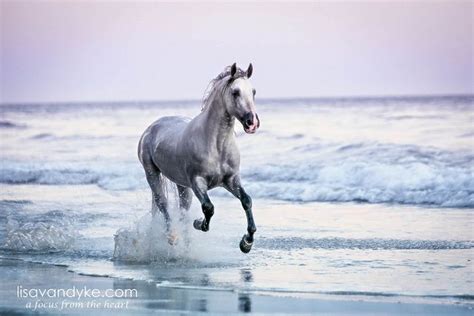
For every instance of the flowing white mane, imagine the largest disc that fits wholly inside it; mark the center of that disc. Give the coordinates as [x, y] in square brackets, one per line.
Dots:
[214, 83]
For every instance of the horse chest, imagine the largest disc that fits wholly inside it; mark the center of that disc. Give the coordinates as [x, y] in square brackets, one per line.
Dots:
[217, 170]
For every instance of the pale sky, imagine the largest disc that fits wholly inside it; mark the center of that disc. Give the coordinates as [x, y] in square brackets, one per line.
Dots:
[108, 51]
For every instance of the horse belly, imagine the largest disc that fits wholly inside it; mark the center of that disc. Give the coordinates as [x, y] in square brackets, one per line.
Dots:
[170, 166]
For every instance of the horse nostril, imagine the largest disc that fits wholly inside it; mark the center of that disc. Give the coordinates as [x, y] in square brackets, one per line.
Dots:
[248, 119]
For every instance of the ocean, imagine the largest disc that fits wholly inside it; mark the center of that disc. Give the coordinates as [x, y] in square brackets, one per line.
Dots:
[353, 197]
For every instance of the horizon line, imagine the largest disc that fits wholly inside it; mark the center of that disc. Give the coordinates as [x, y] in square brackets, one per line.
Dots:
[144, 101]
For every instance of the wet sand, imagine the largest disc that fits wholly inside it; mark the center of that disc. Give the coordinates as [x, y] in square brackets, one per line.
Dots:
[153, 299]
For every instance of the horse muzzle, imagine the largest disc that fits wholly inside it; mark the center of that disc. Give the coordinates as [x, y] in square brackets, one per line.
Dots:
[251, 122]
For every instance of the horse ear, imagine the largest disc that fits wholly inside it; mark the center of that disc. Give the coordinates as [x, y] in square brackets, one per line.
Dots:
[233, 69]
[249, 70]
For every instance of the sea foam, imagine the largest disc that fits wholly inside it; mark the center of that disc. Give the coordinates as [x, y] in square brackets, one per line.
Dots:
[38, 236]
[367, 172]
[329, 172]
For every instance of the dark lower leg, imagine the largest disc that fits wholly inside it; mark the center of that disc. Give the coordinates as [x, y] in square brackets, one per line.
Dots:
[208, 210]
[247, 205]
[200, 190]
[251, 228]
[233, 186]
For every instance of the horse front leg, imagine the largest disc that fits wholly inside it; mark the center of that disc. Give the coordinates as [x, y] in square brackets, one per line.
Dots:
[199, 187]
[233, 186]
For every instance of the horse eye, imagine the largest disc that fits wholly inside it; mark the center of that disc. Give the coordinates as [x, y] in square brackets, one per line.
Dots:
[254, 92]
[235, 93]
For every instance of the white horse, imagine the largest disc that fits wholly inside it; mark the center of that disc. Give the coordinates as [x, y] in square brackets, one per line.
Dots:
[200, 154]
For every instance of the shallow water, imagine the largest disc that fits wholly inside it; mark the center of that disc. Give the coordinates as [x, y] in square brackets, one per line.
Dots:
[368, 197]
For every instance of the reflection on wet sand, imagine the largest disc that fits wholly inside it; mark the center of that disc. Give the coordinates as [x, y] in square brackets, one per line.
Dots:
[155, 296]
[246, 275]
[245, 303]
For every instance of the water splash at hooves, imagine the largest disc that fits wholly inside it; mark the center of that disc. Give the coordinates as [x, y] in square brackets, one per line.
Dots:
[148, 241]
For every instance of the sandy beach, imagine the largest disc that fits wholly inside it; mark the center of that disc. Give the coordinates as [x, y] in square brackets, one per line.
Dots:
[153, 299]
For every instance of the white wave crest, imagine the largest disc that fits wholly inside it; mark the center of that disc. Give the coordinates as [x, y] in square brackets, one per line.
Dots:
[367, 172]
[357, 172]
[366, 182]
[110, 176]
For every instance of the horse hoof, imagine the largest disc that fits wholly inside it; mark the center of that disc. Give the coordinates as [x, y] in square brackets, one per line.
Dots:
[172, 238]
[200, 224]
[245, 246]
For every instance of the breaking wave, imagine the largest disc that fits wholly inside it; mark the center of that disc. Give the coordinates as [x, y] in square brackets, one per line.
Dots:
[109, 176]
[372, 173]
[355, 172]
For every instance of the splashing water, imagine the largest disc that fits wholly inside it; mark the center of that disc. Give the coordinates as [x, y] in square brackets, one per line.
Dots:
[39, 236]
[147, 241]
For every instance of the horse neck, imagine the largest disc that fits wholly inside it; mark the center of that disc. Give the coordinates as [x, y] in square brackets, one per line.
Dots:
[219, 124]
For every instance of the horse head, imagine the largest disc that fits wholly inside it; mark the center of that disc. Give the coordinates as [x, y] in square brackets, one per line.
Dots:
[239, 98]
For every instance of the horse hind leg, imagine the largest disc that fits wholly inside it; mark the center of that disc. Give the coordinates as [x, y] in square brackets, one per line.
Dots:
[159, 198]
[185, 196]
